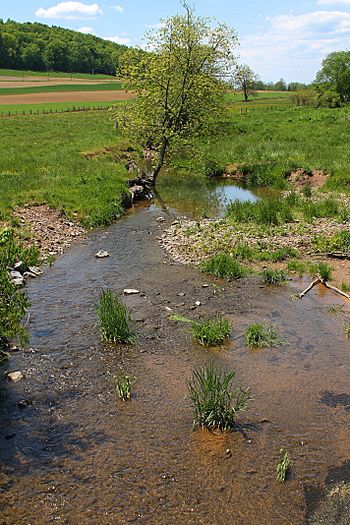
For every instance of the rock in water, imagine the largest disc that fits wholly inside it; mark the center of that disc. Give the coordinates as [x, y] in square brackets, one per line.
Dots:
[101, 254]
[15, 377]
[131, 291]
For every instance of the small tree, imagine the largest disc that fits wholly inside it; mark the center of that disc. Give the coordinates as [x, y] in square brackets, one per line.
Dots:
[179, 82]
[245, 79]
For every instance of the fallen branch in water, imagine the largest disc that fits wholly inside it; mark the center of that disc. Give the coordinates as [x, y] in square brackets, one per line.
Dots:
[325, 283]
[316, 281]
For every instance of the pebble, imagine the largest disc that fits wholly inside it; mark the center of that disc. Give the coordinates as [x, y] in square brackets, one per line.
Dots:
[131, 291]
[101, 254]
[198, 303]
[15, 377]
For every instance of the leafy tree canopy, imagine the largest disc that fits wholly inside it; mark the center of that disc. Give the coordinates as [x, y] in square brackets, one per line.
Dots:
[180, 81]
[335, 74]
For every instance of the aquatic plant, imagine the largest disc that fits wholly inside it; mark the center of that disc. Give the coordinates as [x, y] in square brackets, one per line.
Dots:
[115, 319]
[215, 402]
[270, 276]
[211, 332]
[260, 335]
[223, 265]
[123, 384]
[283, 467]
[323, 271]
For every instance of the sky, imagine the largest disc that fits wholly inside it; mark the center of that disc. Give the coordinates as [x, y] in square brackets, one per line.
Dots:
[277, 39]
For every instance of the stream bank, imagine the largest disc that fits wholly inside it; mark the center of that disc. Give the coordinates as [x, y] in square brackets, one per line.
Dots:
[72, 454]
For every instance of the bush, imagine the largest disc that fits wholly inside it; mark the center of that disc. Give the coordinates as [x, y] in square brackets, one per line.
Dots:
[13, 306]
[211, 332]
[274, 276]
[260, 335]
[223, 265]
[115, 320]
[215, 404]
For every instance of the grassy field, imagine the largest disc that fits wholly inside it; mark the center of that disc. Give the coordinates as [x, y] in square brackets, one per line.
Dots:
[42, 162]
[60, 88]
[51, 74]
[51, 107]
[268, 140]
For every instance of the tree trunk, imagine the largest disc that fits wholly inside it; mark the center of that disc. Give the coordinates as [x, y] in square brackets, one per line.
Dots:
[151, 178]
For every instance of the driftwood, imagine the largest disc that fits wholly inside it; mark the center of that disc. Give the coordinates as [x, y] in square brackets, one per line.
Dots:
[325, 283]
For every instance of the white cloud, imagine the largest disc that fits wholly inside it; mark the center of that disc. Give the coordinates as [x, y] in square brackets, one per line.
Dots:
[293, 46]
[118, 8]
[118, 39]
[333, 2]
[86, 30]
[70, 11]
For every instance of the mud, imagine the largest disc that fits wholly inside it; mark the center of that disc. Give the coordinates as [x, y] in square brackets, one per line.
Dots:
[72, 454]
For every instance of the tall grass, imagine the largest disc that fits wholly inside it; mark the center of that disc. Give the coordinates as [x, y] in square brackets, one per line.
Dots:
[259, 335]
[283, 467]
[215, 401]
[223, 265]
[115, 319]
[211, 332]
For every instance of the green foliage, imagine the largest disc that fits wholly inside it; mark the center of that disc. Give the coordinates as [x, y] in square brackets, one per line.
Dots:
[244, 79]
[11, 251]
[177, 82]
[223, 265]
[340, 242]
[283, 467]
[304, 97]
[215, 404]
[211, 332]
[212, 168]
[328, 207]
[115, 320]
[13, 306]
[274, 276]
[345, 287]
[260, 335]
[284, 253]
[43, 48]
[270, 211]
[323, 271]
[335, 74]
[123, 384]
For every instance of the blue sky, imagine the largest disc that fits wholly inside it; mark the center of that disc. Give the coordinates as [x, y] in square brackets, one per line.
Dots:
[278, 39]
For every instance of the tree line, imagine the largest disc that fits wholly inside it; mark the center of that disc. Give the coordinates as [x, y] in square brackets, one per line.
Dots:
[38, 47]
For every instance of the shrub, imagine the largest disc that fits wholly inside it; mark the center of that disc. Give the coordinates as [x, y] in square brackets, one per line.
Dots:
[223, 265]
[13, 306]
[274, 276]
[123, 384]
[260, 335]
[214, 402]
[283, 467]
[211, 332]
[115, 320]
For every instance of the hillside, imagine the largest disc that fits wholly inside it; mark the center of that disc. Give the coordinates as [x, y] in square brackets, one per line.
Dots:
[38, 47]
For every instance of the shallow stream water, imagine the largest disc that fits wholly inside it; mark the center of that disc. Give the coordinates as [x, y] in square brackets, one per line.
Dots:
[72, 454]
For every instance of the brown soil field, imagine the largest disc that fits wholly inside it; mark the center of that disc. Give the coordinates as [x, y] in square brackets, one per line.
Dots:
[56, 82]
[75, 96]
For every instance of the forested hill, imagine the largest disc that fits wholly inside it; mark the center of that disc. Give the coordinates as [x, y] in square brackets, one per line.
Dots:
[39, 47]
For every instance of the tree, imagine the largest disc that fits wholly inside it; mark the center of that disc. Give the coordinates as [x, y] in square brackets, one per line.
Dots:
[245, 79]
[281, 85]
[335, 74]
[179, 82]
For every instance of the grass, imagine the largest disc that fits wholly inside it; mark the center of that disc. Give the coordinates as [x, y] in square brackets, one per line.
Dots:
[12, 110]
[259, 335]
[339, 242]
[211, 332]
[223, 265]
[115, 319]
[215, 401]
[270, 276]
[51, 74]
[123, 384]
[323, 271]
[42, 161]
[283, 467]
[60, 88]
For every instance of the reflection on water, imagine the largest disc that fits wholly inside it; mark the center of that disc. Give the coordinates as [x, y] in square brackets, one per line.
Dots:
[196, 197]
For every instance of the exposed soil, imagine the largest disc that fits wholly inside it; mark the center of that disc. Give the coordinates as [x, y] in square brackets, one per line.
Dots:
[301, 177]
[71, 454]
[54, 82]
[50, 230]
[76, 96]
